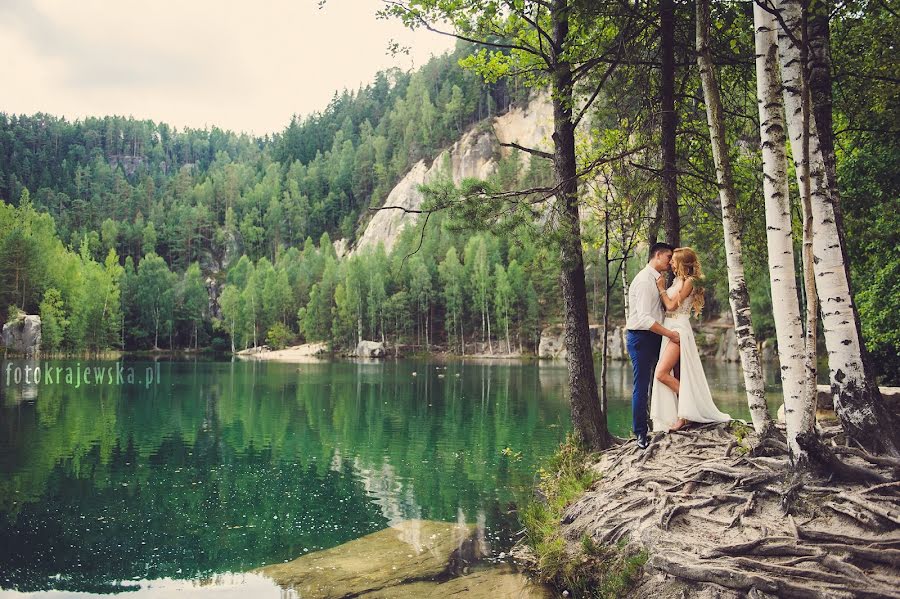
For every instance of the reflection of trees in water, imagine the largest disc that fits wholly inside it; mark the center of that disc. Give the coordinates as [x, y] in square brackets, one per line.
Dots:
[219, 450]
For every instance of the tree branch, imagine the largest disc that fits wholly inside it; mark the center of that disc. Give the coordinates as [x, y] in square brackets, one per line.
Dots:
[532, 151]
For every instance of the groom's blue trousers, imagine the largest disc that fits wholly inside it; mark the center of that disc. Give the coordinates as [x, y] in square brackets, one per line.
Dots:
[643, 347]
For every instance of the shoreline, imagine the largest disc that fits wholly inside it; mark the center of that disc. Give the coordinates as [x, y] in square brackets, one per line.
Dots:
[716, 513]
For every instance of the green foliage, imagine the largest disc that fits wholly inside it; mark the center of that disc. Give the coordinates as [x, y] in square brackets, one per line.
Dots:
[278, 336]
[588, 570]
[879, 305]
[53, 320]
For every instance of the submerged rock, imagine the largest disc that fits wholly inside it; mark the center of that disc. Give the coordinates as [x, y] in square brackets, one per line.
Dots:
[498, 582]
[412, 550]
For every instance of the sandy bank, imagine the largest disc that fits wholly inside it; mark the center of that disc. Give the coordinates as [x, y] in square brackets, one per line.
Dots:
[308, 353]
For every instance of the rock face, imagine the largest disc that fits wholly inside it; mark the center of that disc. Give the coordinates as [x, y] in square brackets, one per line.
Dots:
[769, 352]
[728, 347]
[617, 347]
[473, 156]
[409, 550]
[24, 335]
[214, 291]
[370, 349]
[552, 344]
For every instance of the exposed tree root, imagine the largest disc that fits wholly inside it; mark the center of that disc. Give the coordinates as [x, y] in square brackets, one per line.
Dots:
[712, 518]
[824, 457]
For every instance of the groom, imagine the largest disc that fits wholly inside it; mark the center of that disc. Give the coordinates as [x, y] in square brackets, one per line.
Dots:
[645, 333]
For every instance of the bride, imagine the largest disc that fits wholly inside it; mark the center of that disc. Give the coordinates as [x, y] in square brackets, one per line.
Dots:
[677, 402]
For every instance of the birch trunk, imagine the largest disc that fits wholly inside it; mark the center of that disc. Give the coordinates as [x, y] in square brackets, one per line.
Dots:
[807, 416]
[738, 296]
[857, 401]
[785, 305]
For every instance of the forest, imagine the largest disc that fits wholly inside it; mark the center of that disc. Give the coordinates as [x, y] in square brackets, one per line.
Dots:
[115, 230]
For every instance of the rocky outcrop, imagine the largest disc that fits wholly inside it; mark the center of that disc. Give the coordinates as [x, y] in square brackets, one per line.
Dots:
[728, 347]
[23, 336]
[473, 156]
[769, 352]
[553, 343]
[370, 349]
[214, 291]
[617, 345]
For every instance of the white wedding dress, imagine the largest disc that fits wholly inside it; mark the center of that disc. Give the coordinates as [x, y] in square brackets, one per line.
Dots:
[694, 402]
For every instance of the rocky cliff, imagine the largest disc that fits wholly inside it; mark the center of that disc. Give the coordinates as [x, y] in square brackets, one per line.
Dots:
[474, 155]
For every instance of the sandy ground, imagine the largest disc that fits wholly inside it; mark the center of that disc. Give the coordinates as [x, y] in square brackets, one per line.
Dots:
[308, 353]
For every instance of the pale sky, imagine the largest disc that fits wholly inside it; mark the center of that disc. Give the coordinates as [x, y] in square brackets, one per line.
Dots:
[245, 66]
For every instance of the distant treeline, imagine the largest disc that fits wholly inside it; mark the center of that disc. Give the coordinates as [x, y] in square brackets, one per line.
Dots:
[139, 187]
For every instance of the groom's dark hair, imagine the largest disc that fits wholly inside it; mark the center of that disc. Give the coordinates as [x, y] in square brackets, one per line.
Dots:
[658, 247]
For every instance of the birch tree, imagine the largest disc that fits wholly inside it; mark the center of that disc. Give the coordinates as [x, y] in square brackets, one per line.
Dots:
[857, 401]
[738, 296]
[785, 305]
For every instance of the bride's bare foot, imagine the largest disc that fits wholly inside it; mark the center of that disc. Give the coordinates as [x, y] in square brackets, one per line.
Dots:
[679, 424]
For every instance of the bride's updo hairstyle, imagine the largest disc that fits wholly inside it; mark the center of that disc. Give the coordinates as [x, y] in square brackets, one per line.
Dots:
[686, 265]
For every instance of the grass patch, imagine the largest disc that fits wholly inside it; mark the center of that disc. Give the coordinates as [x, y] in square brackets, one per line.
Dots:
[741, 431]
[588, 570]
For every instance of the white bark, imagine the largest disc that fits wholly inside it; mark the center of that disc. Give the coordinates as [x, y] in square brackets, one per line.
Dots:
[856, 398]
[785, 305]
[738, 296]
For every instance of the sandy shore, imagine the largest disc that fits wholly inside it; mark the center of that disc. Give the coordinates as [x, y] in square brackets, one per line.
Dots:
[308, 353]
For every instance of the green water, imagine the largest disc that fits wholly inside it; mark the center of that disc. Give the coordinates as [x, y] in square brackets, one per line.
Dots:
[219, 467]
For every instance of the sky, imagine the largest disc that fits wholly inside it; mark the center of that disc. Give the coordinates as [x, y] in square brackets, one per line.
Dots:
[245, 66]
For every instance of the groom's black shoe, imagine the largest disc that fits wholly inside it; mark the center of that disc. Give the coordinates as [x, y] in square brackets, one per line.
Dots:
[643, 441]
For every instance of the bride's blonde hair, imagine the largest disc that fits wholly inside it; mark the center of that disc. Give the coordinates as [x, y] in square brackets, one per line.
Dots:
[686, 265]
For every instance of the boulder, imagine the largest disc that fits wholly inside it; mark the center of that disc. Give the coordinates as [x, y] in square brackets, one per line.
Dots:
[370, 349]
[411, 550]
[23, 335]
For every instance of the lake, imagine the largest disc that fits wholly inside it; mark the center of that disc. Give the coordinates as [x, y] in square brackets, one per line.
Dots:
[196, 471]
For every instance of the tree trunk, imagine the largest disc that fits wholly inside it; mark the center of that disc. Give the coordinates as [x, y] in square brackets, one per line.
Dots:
[625, 282]
[488, 316]
[857, 401]
[588, 420]
[785, 305]
[738, 296]
[607, 287]
[668, 122]
[807, 413]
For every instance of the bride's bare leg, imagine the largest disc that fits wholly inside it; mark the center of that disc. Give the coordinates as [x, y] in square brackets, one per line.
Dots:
[667, 362]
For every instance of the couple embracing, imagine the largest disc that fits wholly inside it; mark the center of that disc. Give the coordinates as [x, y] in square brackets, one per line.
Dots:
[662, 346]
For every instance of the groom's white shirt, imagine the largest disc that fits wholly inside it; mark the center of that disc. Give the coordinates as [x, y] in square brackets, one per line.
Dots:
[644, 305]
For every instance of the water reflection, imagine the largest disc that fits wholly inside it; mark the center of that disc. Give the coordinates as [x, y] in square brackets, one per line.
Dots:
[226, 466]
